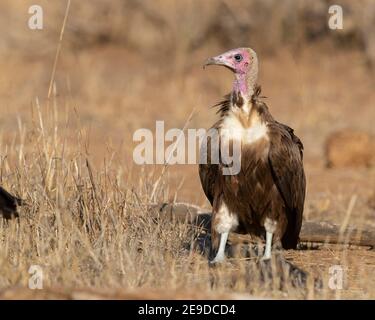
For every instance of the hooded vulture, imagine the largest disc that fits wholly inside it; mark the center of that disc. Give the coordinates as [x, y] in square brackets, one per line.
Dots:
[266, 197]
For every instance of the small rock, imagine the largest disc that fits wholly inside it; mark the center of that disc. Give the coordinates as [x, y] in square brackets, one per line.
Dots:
[350, 148]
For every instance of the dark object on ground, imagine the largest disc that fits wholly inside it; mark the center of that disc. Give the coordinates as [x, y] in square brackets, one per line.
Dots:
[8, 204]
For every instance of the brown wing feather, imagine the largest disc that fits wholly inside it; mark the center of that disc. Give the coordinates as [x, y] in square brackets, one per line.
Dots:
[208, 173]
[285, 158]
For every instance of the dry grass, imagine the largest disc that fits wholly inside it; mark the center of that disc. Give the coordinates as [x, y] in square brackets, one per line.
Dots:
[87, 222]
[88, 227]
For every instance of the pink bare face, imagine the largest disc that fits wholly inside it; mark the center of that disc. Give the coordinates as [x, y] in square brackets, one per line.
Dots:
[238, 60]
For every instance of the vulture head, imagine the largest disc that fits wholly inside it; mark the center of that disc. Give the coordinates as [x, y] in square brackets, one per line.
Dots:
[243, 62]
[240, 61]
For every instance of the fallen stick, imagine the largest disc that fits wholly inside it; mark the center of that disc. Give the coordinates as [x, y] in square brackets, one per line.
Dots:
[311, 232]
[326, 232]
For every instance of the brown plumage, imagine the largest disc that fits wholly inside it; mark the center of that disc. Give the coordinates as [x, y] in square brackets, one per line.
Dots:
[266, 198]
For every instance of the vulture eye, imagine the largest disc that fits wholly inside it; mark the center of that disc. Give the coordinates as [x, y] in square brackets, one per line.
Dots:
[238, 57]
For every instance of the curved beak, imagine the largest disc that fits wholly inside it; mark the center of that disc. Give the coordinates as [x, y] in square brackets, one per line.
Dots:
[211, 61]
[218, 61]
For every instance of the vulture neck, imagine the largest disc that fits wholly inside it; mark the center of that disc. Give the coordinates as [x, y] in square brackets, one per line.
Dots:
[242, 113]
[243, 90]
[244, 84]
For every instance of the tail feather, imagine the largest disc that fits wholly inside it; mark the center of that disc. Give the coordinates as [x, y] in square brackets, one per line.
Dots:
[293, 229]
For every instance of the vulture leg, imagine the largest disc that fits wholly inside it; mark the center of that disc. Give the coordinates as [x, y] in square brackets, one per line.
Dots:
[220, 256]
[270, 226]
[223, 222]
[267, 251]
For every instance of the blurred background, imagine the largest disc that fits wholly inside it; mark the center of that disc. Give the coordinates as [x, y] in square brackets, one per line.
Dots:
[126, 63]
